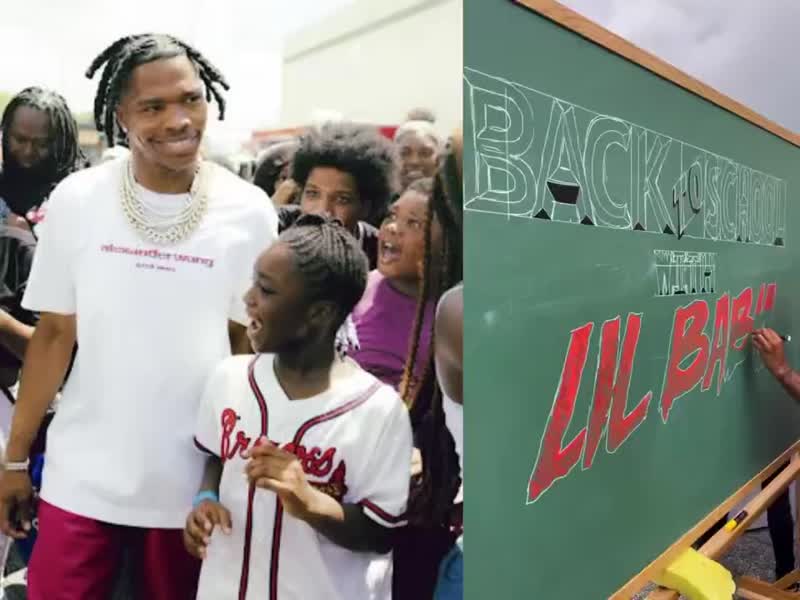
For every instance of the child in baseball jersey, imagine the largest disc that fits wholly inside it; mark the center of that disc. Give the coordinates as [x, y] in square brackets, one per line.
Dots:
[307, 474]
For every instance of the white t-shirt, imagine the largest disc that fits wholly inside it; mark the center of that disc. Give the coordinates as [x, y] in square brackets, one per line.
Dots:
[356, 440]
[152, 323]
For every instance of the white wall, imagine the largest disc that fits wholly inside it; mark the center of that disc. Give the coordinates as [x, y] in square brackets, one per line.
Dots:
[375, 60]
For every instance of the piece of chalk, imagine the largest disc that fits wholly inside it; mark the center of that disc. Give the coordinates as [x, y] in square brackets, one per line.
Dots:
[786, 338]
[734, 522]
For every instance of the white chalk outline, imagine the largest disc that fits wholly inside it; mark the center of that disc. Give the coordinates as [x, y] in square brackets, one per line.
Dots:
[781, 200]
[703, 264]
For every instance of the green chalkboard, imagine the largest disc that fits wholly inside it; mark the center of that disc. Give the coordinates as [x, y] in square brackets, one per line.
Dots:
[622, 236]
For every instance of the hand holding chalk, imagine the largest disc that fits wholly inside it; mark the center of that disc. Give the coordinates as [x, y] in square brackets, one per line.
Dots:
[770, 345]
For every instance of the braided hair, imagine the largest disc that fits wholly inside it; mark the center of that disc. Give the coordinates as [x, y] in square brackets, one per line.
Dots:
[65, 154]
[432, 499]
[330, 260]
[127, 53]
[446, 208]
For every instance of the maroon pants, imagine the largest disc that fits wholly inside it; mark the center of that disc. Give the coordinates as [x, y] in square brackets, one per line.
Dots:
[77, 558]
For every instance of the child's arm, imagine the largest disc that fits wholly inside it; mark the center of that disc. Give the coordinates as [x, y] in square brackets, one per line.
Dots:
[274, 469]
[347, 525]
[207, 512]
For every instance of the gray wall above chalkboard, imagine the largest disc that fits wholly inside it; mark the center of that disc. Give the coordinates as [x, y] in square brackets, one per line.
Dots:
[746, 50]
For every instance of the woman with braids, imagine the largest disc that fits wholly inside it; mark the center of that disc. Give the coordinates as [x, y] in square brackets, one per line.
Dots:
[324, 445]
[347, 171]
[143, 261]
[435, 499]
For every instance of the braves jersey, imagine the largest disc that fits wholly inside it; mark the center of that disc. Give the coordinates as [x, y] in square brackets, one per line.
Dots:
[354, 443]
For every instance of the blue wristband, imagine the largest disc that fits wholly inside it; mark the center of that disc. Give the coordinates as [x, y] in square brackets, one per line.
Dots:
[203, 496]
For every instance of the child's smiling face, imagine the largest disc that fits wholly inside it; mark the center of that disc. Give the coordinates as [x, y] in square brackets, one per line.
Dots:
[276, 301]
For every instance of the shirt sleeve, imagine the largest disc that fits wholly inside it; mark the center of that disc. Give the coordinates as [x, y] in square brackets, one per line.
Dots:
[384, 483]
[51, 284]
[208, 427]
[263, 231]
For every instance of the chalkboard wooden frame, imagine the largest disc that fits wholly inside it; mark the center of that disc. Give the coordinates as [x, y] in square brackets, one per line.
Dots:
[721, 542]
[566, 17]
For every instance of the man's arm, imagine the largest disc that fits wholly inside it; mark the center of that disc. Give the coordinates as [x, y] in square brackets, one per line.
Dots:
[770, 345]
[46, 362]
[14, 335]
[449, 350]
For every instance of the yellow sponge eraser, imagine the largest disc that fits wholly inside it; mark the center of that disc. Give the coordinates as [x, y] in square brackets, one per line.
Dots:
[698, 577]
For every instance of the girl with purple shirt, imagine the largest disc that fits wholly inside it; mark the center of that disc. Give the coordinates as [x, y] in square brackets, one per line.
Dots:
[385, 317]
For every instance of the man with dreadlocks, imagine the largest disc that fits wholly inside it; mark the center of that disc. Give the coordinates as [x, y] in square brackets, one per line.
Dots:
[150, 286]
[40, 148]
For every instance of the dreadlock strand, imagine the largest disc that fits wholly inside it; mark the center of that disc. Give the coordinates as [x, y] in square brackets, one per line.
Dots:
[66, 151]
[407, 393]
[107, 54]
[102, 94]
[221, 104]
[205, 65]
[108, 114]
[111, 96]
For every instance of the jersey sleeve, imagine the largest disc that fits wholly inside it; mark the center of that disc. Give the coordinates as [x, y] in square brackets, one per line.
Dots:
[383, 484]
[262, 232]
[51, 283]
[208, 426]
